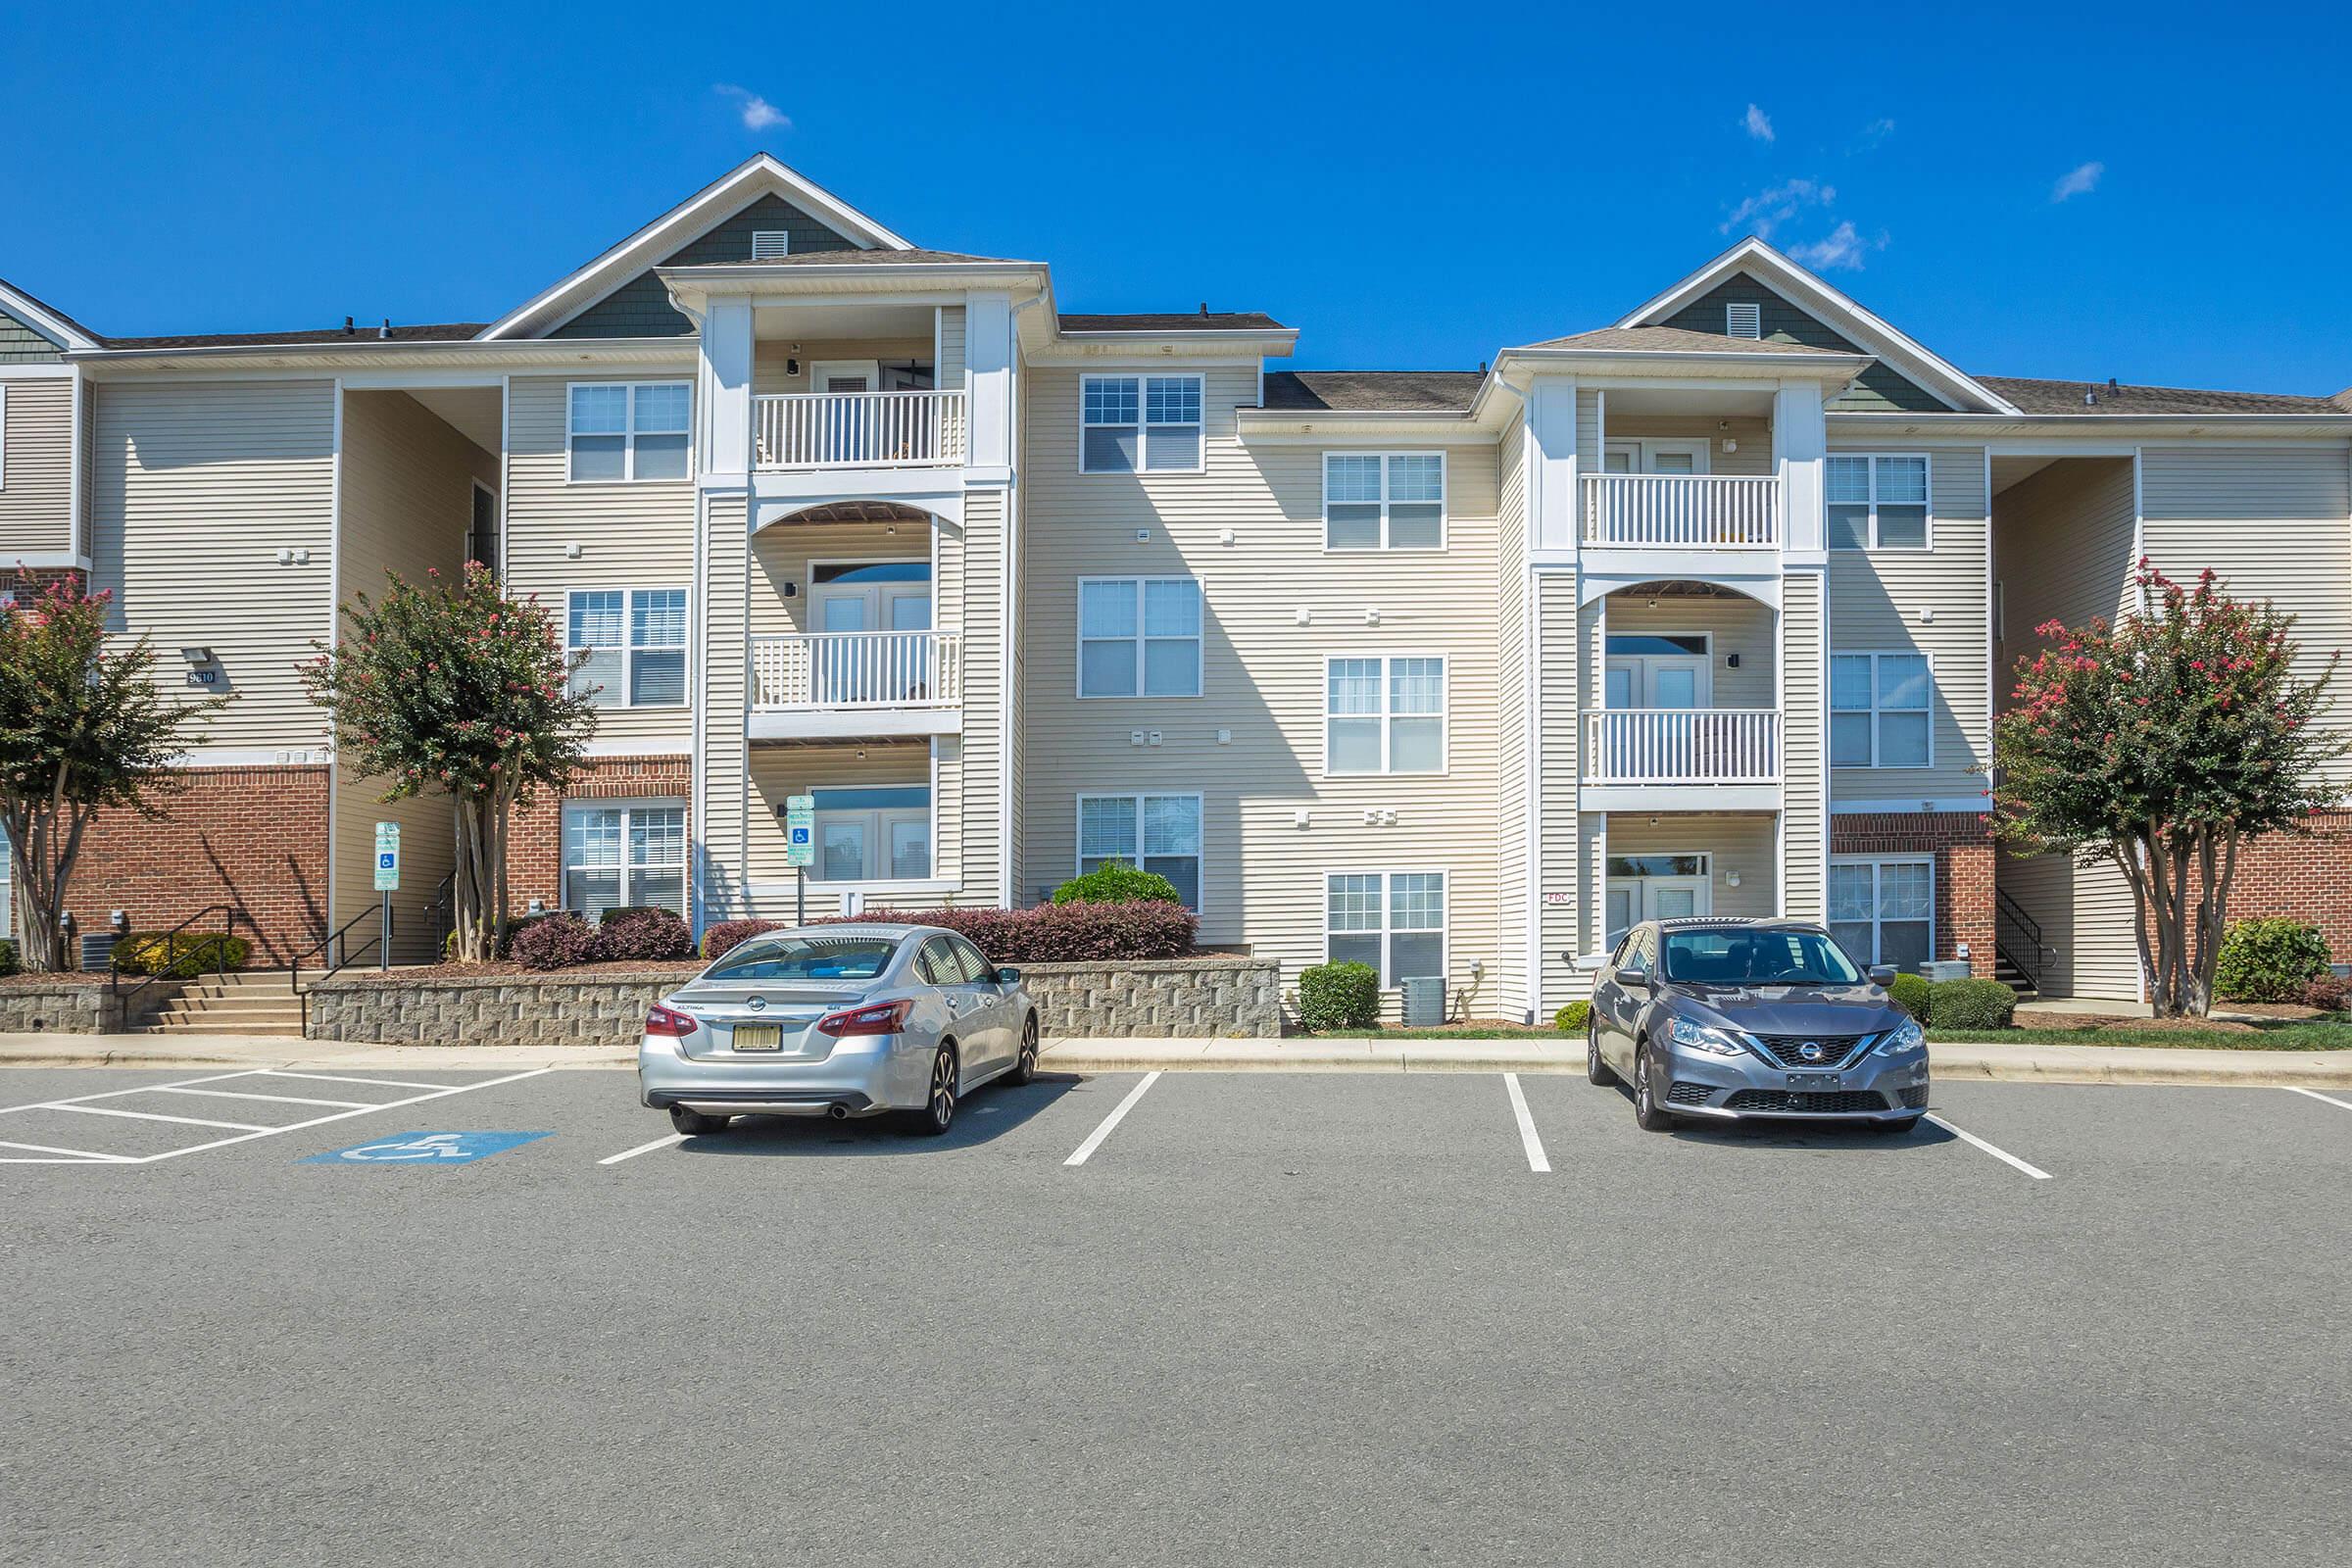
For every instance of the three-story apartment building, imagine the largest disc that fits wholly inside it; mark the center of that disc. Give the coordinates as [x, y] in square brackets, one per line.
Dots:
[1456, 672]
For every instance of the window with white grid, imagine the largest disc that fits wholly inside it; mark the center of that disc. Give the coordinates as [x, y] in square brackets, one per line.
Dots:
[635, 640]
[1881, 711]
[1884, 911]
[1384, 501]
[1156, 833]
[629, 430]
[1139, 637]
[624, 853]
[1393, 921]
[1147, 423]
[1384, 715]
[1878, 502]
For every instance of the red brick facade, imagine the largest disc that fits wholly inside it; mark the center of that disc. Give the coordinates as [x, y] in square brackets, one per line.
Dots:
[535, 842]
[1961, 845]
[2303, 878]
[254, 838]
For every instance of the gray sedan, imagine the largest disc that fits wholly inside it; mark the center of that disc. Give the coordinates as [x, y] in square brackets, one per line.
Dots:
[837, 1020]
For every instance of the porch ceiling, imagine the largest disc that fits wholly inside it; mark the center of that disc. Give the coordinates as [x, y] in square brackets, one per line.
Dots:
[855, 512]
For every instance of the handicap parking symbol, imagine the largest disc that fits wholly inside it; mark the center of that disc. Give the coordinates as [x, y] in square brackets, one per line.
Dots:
[424, 1149]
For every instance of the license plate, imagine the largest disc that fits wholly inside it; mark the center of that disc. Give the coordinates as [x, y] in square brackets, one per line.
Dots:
[758, 1037]
[1816, 1080]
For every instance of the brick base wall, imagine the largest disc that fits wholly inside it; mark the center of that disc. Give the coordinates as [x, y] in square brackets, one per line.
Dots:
[2302, 878]
[254, 838]
[1961, 845]
[535, 841]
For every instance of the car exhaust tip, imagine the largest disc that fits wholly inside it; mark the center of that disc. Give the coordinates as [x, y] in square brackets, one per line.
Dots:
[838, 1111]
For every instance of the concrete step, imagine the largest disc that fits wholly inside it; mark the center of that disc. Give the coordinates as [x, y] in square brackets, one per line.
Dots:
[290, 1029]
[241, 1001]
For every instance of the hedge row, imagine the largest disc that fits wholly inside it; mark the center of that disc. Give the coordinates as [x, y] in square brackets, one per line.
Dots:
[623, 936]
[1052, 933]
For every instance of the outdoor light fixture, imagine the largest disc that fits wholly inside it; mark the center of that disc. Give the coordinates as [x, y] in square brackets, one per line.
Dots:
[197, 655]
[1731, 879]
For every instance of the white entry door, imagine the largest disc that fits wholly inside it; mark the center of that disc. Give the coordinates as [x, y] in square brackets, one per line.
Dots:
[881, 596]
[1654, 887]
[1658, 456]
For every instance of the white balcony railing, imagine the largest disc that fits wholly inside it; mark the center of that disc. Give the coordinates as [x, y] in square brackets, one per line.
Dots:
[1682, 512]
[1681, 746]
[857, 669]
[858, 430]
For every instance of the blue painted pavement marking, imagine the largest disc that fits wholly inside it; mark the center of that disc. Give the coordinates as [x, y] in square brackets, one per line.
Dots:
[424, 1149]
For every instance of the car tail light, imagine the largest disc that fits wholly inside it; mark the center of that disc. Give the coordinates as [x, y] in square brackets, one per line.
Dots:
[664, 1021]
[882, 1019]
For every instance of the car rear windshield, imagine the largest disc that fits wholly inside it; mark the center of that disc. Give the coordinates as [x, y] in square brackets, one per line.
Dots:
[1765, 958]
[804, 958]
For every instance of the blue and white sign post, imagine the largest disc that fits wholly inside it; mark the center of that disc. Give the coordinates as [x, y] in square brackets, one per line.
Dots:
[387, 882]
[800, 849]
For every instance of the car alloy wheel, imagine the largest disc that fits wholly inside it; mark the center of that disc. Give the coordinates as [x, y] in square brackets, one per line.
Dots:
[1024, 1066]
[1596, 1070]
[939, 1111]
[1646, 1115]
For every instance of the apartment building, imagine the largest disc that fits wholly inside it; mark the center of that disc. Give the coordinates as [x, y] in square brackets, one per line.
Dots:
[1458, 672]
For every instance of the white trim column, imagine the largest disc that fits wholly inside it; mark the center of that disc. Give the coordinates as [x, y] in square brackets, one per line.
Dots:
[726, 387]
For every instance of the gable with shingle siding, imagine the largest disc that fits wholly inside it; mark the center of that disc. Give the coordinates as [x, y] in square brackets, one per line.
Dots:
[22, 345]
[641, 308]
[1875, 388]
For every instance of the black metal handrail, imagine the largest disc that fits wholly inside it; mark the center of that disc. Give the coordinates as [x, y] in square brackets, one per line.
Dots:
[373, 912]
[441, 915]
[171, 942]
[2017, 937]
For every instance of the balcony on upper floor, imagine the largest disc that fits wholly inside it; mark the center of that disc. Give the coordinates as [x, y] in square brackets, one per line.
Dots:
[1668, 746]
[857, 684]
[1684, 712]
[920, 428]
[1681, 512]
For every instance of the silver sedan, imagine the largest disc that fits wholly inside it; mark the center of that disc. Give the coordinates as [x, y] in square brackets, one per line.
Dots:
[837, 1020]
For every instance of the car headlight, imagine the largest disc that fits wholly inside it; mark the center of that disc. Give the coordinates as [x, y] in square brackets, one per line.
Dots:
[1904, 1036]
[1698, 1036]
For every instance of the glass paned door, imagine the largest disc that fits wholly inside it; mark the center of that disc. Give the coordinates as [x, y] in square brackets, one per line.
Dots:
[1654, 887]
[891, 597]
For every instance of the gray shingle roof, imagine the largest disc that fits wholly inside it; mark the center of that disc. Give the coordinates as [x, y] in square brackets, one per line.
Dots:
[1175, 321]
[1673, 340]
[2065, 397]
[1372, 391]
[436, 332]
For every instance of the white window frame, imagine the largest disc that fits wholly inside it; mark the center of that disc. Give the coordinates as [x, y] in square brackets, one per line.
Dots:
[1388, 930]
[1444, 480]
[1142, 380]
[1927, 459]
[628, 806]
[1078, 855]
[879, 819]
[628, 433]
[1732, 310]
[629, 646]
[1198, 640]
[1873, 654]
[1388, 718]
[1877, 864]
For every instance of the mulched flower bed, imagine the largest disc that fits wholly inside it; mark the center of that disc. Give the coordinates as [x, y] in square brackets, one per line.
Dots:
[71, 979]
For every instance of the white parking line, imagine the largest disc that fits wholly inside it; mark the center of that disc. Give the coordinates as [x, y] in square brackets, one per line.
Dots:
[275, 1100]
[75, 1156]
[338, 1078]
[2002, 1155]
[1094, 1139]
[642, 1149]
[155, 1115]
[2342, 1105]
[1527, 1125]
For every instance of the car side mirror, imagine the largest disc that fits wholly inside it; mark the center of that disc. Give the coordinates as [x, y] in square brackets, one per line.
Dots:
[1634, 979]
[1881, 974]
[1007, 977]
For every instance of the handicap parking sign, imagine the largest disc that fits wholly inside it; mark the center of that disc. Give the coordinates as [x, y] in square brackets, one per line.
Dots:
[426, 1149]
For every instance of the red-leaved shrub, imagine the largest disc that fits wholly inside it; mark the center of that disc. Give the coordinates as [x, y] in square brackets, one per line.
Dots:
[718, 938]
[2329, 993]
[644, 936]
[1062, 932]
[556, 943]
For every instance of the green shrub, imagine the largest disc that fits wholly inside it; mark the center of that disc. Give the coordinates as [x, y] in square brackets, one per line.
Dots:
[180, 957]
[1913, 994]
[10, 964]
[1117, 882]
[1339, 996]
[1957, 1005]
[505, 946]
[2269, 960]
[1571, 1019]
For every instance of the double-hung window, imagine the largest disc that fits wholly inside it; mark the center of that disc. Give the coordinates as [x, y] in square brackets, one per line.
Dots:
[635, 640]
[1878, 503]
[1384, 501]
[874, 833]
[1879, 710]
[1392, 920]
[1384, 715]
[1139, 637]
[1148, 424]
[624, 853]
[1158, 833]
[1882, 911]
[630, 430]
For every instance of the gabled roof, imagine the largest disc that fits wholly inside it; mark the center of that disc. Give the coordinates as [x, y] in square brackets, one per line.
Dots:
[1674, 340]
[875, 257]
[1834, 310]
[1158, 323]
[48, 320]
[438, 332]
[1372, 391]
[2112, 398]
[747, 182]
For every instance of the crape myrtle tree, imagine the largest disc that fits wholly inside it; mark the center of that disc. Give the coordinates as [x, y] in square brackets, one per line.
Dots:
[455, 689]
[2159, 745]
[83, 728]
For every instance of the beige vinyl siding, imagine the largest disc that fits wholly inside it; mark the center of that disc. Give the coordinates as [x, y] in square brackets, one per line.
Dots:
[194, 489]
[2062, 551]
[1745, 841]
[1263, 676]
[779, 771]
[1590, 415]
[1751, 436]
[969, 599]
[1017, 697]
[1803, 748]
[631, 535]
[952, 355]
[406, 501]
[1570, 846]
[770, 357]
[2085, 916]
[719, 820]
[1733, 625]
[1513, 638]
[36, 468]
[1878, 599]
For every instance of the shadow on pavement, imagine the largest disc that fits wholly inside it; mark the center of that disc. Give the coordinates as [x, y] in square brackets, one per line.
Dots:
[1795, 1134]
[983, 1116]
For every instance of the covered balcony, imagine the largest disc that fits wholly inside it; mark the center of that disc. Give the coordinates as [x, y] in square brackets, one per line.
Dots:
[1684, 711]
[857, 671]
[908, 428]
[1686, 475]
[839, 388]
[1682, 512]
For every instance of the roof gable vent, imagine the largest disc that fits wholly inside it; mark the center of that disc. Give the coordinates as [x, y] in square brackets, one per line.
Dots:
[769, 243]
[1744, 321]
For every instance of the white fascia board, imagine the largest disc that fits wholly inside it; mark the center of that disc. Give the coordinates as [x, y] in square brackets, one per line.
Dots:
[1840, 309]
[58, 329]
[2097, 427]
[1592, 364]
[461, 354]
[696, 215]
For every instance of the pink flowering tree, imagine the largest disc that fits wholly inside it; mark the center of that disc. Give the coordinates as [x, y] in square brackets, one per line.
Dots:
[85, 727]
[455, 689]
[2159, 745]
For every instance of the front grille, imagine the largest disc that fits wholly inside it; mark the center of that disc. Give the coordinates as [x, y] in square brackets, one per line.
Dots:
[1787, 1050]
[1840, 1104]
[1916, 1098]
[1687, 1093]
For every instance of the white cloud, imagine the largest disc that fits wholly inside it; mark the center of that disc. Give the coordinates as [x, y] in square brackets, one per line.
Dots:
[2079, 180]
[758, 113]
[1876, 131]
[1841, 249]
[1758, 124]
[1766, 210]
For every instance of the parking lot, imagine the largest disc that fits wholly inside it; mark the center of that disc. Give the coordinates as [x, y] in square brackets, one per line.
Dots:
[1189, 1318]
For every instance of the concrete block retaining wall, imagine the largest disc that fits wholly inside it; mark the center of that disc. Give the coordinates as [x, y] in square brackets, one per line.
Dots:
[1192, 998]
[59, 1009]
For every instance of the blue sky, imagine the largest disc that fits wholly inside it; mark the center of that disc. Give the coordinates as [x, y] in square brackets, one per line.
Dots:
[2034, 194]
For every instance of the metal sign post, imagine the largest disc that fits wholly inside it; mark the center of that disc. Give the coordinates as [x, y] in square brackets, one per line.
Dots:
[387, 882]
[800, 849]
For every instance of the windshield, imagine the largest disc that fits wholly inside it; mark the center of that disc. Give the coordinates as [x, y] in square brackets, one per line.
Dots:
[1738, 956]
[805, 958]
